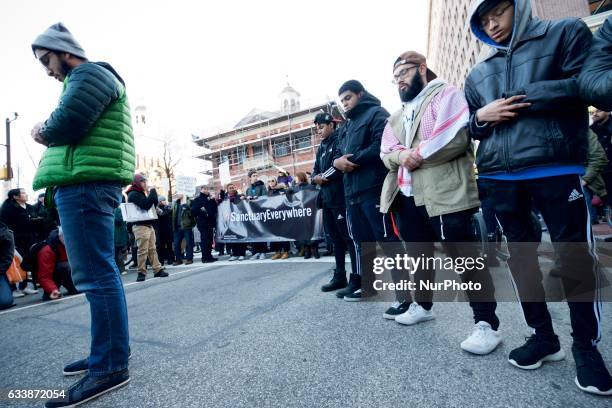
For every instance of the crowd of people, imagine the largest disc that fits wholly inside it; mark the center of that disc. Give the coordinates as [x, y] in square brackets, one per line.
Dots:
[413, 177]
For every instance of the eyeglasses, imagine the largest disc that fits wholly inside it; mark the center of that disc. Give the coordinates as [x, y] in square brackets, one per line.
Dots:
[402, 74]
[495, 16]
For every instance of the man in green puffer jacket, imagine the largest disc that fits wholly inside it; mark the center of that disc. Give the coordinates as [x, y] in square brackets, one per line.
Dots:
[90, 156]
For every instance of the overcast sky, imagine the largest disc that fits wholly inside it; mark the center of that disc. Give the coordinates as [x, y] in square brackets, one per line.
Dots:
[204, 65]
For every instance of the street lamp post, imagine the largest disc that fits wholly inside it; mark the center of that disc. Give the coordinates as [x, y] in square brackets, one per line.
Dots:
[9, 171]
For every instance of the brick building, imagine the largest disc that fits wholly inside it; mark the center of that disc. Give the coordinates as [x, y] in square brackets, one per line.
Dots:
[265, 141]
[452, 49]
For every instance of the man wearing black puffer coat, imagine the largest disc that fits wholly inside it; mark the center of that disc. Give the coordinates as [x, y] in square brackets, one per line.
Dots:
[526, 111]
[358, 157]
[204, 209]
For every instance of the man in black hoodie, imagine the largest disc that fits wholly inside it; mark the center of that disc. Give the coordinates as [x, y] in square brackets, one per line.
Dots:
[331, 200]
[143, 230]
[526, 110]
[204, 209]
[358, 157]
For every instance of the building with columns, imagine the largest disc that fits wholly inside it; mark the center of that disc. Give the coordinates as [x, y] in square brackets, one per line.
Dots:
[265, 141]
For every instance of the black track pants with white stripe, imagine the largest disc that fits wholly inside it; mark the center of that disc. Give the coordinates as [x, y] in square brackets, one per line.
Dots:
[561, 202]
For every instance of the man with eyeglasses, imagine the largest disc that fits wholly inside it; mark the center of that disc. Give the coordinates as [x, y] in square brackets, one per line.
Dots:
[89, 157]
[431, 189]
[358, 157]
[526, 111]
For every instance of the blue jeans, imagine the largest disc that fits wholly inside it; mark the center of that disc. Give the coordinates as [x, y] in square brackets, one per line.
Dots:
[87, 216]
[6, 293]
[179, 235]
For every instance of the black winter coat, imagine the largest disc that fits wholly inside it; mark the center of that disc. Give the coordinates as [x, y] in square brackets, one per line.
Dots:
[604, 135]
[331, 194]
[542, 61]
[361, 136]
[7, 248]
[596, 78]
[204, 209]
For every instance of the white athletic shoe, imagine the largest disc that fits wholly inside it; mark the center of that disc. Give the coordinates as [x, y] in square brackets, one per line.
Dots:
[262, 256]
[483, 339]
[29, 291]
[18, 294]
[255, 256]
[415, 314]
[232, 258]
[241, 258]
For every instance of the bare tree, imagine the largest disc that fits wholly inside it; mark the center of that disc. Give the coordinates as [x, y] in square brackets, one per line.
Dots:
[169, 164]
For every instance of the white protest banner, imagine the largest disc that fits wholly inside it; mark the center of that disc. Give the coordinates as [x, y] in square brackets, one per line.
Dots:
[132, 213]
[185, 185]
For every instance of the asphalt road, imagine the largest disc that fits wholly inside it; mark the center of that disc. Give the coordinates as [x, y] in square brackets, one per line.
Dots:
[262, 334]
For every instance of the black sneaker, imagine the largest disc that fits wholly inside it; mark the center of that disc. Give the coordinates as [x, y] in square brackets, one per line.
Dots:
[82, 366]
[209, 260]
[396, 309]
[356, 296]
[338, 281]
[141, 277]
[161, 273]
[353, 285]
[592, 376]
[88, 388]
[535, 351]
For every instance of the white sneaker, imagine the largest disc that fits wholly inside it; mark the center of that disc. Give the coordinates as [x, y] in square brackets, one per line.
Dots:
[262, 256]
[483, 339]
[214, 253]
[241, 258]
[415, 314]
[232, 258]
[18, 294]
[29, 291]
[255, 256]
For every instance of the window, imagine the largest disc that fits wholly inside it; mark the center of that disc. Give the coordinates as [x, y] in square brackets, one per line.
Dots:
[303, 141]
[281, 147]
[258, 150]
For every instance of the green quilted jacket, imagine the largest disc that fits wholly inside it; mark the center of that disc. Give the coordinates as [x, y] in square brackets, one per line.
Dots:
[90, 132]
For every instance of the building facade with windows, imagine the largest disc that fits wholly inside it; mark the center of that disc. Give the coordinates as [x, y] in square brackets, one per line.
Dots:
[266, 142]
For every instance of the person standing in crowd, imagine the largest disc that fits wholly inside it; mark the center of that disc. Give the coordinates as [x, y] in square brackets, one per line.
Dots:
[7, 251]
[284, 178]
[17, 214]
[182, 225]
[595, 81]
[54, 268]
[358, 157]
[331, 200]
[280, 248]
[204, 209]
[47, 217]
[592, 180]
[526, 111]
[144, 233]
[424, 145]
[236, 250]
[257, 189]
[121, 239]
[309, 248]
[90, 155]
[220, 246]
[602, 126]
[164, 227]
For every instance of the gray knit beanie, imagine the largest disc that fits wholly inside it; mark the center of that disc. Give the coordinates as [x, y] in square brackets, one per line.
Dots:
[58, 38]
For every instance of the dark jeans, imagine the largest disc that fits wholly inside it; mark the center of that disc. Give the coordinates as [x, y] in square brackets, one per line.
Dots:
[62, 276]
[334, 221]
[187, 235]
[6, 293]
[420, 231]
[563, 207]
[165, 250]
[282, 246]
[87, 215]
[238, 249]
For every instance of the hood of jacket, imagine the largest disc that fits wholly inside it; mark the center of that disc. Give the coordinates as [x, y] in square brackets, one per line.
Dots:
[257, 183]
[366, 102]
[522, 10]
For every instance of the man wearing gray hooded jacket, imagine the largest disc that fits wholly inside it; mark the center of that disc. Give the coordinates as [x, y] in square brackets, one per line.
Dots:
[526, 111]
